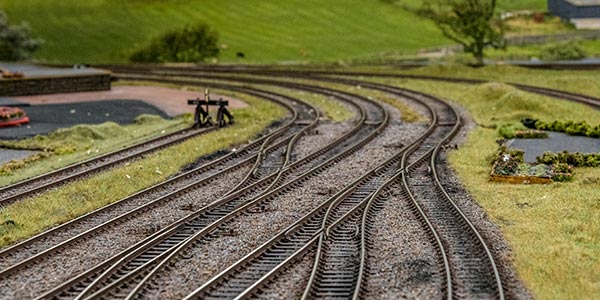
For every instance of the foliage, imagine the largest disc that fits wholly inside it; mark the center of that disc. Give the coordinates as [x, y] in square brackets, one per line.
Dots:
[569, 127]
[190, 44]
[471, 23]
[510, 162]
[567, 50]
[512, 131]
[575, 159]
[562, 172]
[16, 42]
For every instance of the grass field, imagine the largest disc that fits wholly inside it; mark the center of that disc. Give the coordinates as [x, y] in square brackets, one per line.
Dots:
[552, 229]
[105, 31]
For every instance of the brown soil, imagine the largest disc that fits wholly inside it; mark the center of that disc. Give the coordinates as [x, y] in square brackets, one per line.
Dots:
[172, 101]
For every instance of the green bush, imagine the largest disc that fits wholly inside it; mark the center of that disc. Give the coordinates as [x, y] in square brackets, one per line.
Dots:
[16, 42]
[190, 44]
[568, 127]
[575, 159]
[568, 50]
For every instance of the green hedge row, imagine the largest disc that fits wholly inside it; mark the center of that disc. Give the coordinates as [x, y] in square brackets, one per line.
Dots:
[575, 159]
[568, 127]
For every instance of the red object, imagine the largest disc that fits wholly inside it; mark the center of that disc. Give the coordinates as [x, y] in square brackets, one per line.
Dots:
[12, 116]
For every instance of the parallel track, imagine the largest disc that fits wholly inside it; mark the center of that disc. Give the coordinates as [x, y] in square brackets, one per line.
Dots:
[342, 141]
[131, 206]
[318, 74]
[338, 230]
[44, 182]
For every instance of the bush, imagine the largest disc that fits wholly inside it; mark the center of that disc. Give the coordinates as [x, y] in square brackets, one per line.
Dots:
[16, 42]
[575, 159]
[190, 44]
[568, 50]
[568, 127]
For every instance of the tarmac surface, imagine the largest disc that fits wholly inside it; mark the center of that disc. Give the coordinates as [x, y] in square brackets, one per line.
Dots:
[556, 142]
[49, 117]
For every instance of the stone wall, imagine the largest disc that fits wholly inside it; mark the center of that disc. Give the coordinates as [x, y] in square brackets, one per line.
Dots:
[50, 85]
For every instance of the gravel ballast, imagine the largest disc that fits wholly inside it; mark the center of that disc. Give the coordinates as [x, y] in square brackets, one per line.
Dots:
[245, 234]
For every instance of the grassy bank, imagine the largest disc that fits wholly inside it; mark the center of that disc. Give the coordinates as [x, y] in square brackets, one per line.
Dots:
[26, 218]
[70, 145]
[552, 229]
[264, 31]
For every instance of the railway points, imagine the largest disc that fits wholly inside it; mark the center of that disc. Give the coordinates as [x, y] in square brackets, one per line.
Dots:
[334, 232]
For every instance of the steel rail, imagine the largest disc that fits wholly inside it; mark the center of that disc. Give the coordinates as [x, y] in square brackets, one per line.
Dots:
[312, 155]
[280, 188]
[245, 182]
[554, 93]
[312, 232]
[195, 172]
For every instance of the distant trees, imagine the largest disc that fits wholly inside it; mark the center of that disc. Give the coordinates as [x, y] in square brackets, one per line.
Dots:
[471, 23]
[16, 42]
[190, 44]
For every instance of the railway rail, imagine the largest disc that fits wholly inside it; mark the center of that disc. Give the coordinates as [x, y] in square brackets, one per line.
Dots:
[211, 218]
[554, 93]
[303, 115]
[44, 182]
[337, 222]
[337, 232]
[363, 126]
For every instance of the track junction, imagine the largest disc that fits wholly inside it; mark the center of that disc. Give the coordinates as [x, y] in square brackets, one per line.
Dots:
[288, 215]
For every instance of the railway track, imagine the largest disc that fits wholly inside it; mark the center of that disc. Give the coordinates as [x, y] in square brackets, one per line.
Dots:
[326, 283]
[44, 182]
[19, 256]
[332, 228]
[363, 126]
[554, 93]
[211, 218]
[336, 232]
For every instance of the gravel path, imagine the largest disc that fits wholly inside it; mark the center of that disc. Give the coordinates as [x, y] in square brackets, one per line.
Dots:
[249, 232]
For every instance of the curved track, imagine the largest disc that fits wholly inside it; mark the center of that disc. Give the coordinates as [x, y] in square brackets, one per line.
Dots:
[44, 182]
[336, 233]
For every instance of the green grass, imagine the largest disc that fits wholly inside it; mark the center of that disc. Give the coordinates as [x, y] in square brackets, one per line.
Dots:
[587, 82]
[100, 31]
[552, 229]
[23, 219]
[591, 47]
[70, 145]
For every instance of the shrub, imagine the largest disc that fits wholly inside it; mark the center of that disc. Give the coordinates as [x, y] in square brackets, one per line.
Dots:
[16, 42]
[569, 127]
[575, 159]
[190, 44]
[568, 50]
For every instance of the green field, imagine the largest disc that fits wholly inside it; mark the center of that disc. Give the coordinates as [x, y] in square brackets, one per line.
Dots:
[106, 31]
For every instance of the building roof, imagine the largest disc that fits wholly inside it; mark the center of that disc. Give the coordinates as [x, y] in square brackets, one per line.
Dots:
[584, 2]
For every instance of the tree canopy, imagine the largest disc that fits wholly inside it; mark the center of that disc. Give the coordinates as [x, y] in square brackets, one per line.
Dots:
[16, 42]
[471, 23]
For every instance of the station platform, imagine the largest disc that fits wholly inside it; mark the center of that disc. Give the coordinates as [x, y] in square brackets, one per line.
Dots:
[39, 80]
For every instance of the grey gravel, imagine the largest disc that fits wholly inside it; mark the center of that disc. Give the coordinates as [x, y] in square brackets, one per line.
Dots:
[64, 265]
[254, 229]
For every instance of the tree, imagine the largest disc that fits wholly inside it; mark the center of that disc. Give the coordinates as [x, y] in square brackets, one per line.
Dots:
[190, 44]
[16, 42]
[471, 23]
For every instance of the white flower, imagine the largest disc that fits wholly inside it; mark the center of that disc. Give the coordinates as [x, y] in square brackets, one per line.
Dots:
[127, 175]
[506, 157]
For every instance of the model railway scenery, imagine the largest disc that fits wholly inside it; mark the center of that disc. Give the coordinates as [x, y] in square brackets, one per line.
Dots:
[420, 149]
